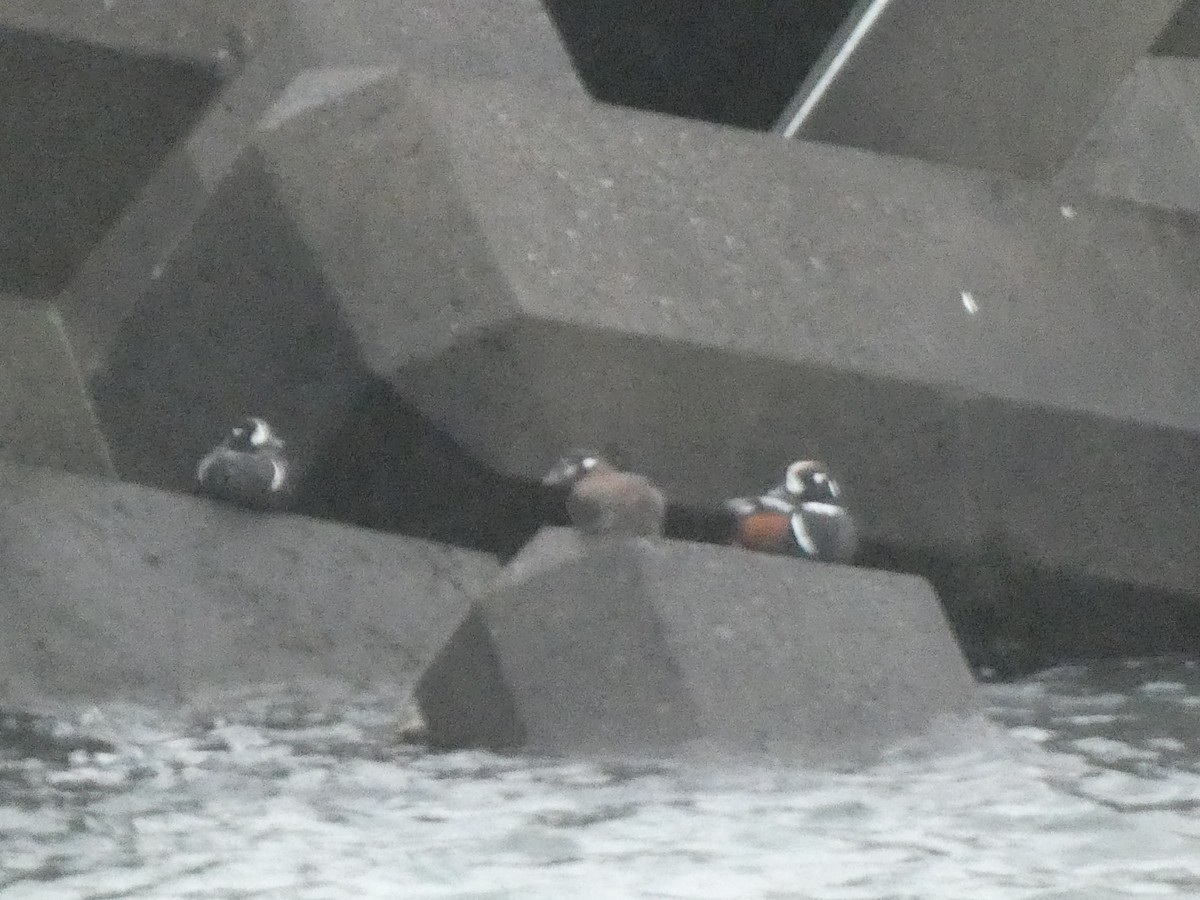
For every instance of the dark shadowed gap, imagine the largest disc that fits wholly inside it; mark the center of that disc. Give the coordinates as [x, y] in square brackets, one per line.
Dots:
[1013, 617]
[84, 128]
[733, 63]
[1182, 36]
[389, 468]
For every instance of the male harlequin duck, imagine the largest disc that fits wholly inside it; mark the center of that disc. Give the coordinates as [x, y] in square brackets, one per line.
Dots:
[247, 468]
[803, 516]
[605, 500]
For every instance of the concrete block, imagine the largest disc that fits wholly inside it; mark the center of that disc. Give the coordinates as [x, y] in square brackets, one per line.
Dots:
[241, 323]
[1182, 36]
[46, 417]
[206, 31]
[1144, 145]
[532, 272]
[1010, 87]
[619, 646]
[509, 40]
[97, 99]
[273, 51]
[113, 589]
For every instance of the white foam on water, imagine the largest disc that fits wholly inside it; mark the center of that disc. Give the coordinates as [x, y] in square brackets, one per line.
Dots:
[289, 796]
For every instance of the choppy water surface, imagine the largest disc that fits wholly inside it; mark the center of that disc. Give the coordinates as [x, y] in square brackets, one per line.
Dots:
[1095, 796]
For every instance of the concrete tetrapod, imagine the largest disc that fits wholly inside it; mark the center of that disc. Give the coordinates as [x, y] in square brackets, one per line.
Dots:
[112, 589]
[541, 273]
[615, 646]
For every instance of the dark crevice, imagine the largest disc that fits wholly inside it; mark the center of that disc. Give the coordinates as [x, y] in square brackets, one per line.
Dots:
[391, 469]
[733, 63]
[1013, 616]
[84, 128]
[1182, 36]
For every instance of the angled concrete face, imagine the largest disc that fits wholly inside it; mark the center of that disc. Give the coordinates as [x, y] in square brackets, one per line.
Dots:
[1146, 144]
[1077, 494]
[282, 52]
[627, 647]
[86, 125]
[1010, 87]
[112, 589]
[254, 55]
[1182, 36]
[201, 30]
[510, 40]
[46, 417]
[535, 273]
[242, 323]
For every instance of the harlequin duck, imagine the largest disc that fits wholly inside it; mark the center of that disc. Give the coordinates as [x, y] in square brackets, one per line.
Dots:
[803, 516]
[247, 468]
[604, 500]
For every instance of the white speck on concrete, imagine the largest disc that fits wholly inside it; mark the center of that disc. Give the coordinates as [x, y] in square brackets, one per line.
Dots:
[817, 263]
[156, 273]
[606, 182]
[1068, 212]
[969, 304]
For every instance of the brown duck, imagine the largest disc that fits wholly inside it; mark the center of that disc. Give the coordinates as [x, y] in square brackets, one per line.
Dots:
[604, 500]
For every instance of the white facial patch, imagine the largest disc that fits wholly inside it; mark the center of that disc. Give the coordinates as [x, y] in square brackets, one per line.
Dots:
[834, 490]
[261, 434]
[588, 464]
[792, 480]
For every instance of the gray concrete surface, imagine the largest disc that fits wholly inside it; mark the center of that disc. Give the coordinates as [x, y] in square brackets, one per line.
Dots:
[1182, 36]
[507, 40]
[113, 589]
[85, 127]
[1146, 144]
[46, 416]
[266, 45]
[621, 646]
[1005, 86]
[207, 31]
[242, 322]
[535, 273]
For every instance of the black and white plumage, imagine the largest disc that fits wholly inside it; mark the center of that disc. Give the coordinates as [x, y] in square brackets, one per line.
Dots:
[601, 499]
[247, 468]
[803, 516]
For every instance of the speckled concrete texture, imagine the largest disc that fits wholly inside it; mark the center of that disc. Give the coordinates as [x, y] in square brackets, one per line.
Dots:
[46, 415]
[619, 646]
[534, 273]
[113, 589]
